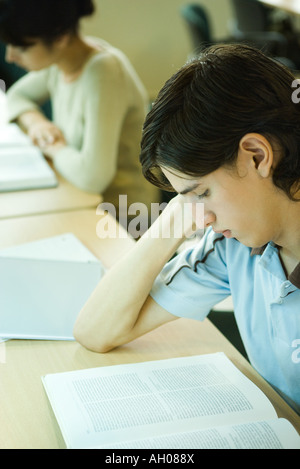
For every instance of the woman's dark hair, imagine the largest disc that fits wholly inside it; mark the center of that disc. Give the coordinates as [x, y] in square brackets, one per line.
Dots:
[22, 20]
[204, 110]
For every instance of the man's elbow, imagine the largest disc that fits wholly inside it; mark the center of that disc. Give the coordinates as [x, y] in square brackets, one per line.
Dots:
[91, 343]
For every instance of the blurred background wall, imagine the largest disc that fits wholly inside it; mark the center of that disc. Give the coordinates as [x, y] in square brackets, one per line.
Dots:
[152, 33]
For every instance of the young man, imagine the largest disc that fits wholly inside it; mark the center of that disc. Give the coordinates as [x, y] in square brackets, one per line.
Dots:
[224, 131]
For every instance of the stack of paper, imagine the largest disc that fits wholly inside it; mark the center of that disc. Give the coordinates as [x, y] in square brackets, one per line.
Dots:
[22, 165]
[44, 285]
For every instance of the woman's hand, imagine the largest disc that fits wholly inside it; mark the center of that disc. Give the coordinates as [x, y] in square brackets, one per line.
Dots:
[43, 133]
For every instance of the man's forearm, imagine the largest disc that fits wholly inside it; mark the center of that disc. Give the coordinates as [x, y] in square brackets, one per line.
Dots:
[112, 313]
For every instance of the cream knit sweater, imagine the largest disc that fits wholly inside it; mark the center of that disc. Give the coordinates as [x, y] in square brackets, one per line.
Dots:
[101, 114]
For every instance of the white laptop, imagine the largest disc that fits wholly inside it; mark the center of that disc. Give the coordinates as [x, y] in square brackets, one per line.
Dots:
[22, 164]
[44, 285]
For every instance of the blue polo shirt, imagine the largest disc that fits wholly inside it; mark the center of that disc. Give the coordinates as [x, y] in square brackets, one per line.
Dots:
[266, 302]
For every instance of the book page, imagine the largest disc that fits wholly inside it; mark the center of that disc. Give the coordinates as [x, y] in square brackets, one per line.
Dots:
[272, 434]
[64, 247]
[107, 405]
[24, 168]
[12, 136]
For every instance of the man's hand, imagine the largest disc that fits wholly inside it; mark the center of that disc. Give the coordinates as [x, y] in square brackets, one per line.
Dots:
[183, 218]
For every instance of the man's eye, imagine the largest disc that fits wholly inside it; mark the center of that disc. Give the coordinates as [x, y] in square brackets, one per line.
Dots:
[204, 194]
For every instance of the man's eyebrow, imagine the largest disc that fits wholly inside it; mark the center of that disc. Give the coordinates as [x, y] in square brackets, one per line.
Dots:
[189, 189]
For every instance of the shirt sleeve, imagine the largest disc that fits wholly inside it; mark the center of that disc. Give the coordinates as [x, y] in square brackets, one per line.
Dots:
[94, 165]
[27, 94]
[195, 280]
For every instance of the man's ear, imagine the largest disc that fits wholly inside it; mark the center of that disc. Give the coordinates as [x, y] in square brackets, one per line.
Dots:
[258, 152]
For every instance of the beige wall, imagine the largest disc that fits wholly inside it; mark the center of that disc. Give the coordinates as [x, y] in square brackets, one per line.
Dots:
[152, 33]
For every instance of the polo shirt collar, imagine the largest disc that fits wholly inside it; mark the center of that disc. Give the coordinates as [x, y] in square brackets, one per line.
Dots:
[258, 251]
[294, 276]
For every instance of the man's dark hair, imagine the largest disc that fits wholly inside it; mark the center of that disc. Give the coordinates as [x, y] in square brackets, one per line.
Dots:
[204, 110]
[22, 20]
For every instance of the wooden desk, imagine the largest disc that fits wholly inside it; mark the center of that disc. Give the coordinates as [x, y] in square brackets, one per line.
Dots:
[26, 417]
[292, 6]
[34, 202]
[80, 222]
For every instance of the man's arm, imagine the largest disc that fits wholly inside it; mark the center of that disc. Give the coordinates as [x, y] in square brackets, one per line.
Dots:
[120, 309]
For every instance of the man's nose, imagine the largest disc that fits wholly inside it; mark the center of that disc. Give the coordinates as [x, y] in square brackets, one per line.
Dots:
[209, 219]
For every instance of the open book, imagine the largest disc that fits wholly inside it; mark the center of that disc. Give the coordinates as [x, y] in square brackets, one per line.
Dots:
[22, 165]
[192, 402]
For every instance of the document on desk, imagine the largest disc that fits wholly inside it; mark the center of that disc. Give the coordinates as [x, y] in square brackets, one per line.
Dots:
[44, 285]
[191, 402]
[22, 164]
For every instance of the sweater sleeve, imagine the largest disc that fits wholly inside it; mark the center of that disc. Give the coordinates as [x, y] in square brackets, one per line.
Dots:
[27, 94]
[94, 165]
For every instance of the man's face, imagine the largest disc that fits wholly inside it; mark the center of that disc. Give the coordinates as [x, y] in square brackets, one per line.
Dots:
[237, 202]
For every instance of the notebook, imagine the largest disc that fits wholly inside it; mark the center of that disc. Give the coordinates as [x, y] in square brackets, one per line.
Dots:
[44, 285]
[22, 165]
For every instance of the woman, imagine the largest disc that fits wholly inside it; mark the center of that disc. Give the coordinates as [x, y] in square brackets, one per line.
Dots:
[224, 131]
[98, 102]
